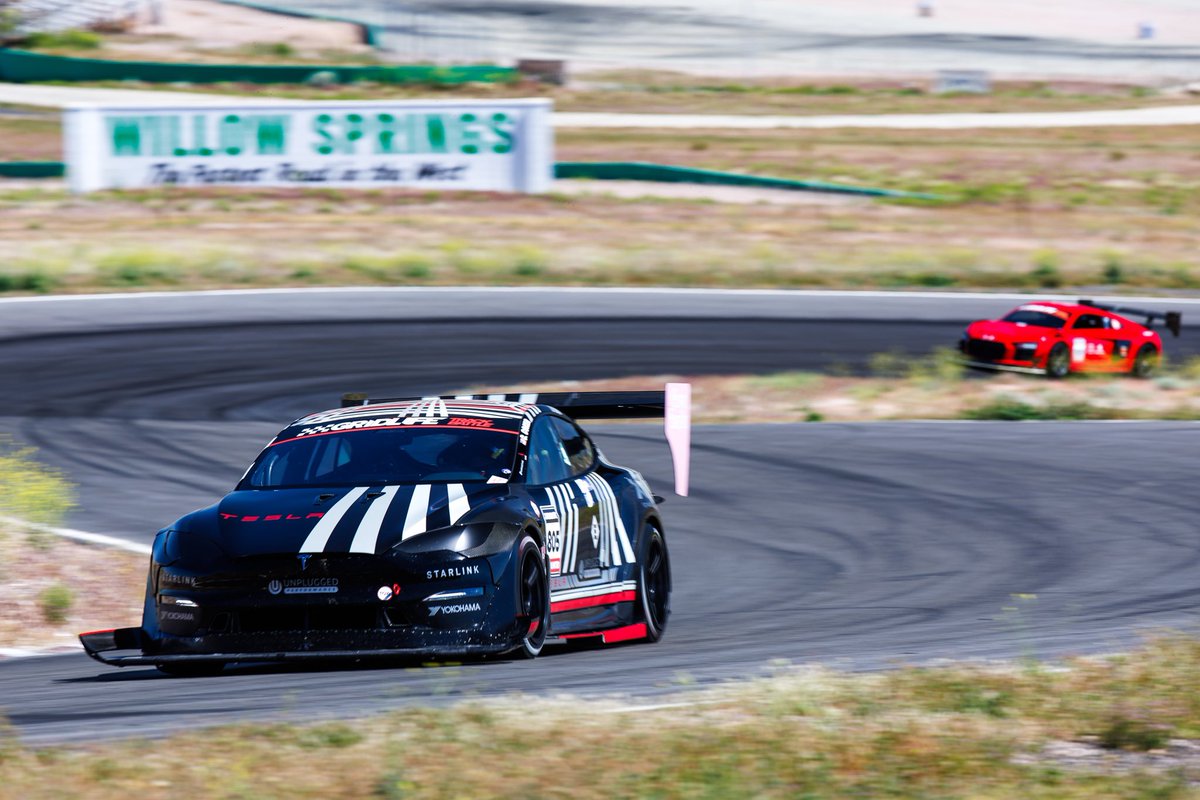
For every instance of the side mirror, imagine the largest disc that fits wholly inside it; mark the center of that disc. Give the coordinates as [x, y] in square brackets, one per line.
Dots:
[658, 498]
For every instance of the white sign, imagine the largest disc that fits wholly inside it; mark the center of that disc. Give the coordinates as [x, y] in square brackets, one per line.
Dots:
[505, 145]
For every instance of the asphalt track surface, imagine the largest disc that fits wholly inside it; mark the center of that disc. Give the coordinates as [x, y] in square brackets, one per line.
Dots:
[852, 545]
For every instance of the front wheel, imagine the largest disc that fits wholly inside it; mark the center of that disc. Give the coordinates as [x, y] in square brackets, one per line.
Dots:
[1145, 362]
[1058, 362]
[654, 585]
[533, 597]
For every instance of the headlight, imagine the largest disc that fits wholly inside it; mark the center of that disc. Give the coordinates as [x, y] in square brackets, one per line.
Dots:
[1024, 350]
[457, 538]
[190, 550]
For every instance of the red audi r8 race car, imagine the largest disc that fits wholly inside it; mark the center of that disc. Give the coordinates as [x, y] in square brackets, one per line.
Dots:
[1056, 339]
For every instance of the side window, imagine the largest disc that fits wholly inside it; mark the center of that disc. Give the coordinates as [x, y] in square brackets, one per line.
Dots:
[1089, 322]
[548, 461]
[578, 447]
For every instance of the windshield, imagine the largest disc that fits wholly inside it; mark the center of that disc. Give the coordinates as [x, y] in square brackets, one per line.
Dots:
[411, 454]
[1039, 318]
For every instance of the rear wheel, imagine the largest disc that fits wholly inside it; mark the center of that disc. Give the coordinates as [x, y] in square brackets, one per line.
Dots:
[1058, 363]
[1145, 362]
[533, 596]
[190, 669]
[654, 585]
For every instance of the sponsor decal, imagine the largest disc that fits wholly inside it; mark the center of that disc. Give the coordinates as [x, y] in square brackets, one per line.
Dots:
[1057, 312]
[386, 593]
[469, 422]
[452, 572]
[455, 594]
[168, 578]
[177, 616]
[459, 608]
[271, 517]
[303, 586]
[303, 559]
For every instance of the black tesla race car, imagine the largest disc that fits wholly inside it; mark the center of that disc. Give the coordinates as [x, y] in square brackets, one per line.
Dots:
[406, 527]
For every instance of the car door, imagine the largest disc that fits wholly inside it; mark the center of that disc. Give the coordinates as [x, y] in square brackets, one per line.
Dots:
[568, 510]
[1119, 334]
[1091, 346]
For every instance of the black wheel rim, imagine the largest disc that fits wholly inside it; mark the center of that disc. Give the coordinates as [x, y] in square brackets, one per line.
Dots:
[1058, 362]
[657, 589]
[1144, 364]
[533, 598]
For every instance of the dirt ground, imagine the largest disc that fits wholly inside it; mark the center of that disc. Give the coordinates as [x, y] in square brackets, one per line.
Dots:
[212, 25]
[104, 588]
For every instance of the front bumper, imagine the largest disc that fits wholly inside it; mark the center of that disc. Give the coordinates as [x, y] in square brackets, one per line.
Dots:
[127, 647]
[996, 365]
[278, 608]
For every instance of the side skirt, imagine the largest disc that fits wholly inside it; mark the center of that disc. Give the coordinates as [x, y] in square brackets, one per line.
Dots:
[610, 636]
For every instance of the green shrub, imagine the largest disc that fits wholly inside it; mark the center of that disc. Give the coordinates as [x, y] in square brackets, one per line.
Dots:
[55, 602]
[892, 364]
[35, 280]
[944, 364]
[64, 40]
[1046, 273]
[277, 49]
[1127, 733]
[30, 491]
[333, 735]
[1113, 270]
[1008, 408]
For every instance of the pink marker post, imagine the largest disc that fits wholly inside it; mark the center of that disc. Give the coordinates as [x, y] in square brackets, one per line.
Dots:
[678, 423]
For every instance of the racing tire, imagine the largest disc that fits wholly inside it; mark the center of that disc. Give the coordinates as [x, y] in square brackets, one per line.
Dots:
[191, 669]
[1145, 363]
[533, 596]
[654, 584]
[1058, 362]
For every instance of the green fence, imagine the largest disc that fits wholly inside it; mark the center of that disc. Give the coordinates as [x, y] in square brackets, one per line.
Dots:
[32, 169]
[664, 173]
[595, 170]
[24, 66]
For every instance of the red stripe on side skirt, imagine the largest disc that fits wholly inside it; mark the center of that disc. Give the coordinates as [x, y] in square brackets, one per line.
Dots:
[625, 634]
[588, 602]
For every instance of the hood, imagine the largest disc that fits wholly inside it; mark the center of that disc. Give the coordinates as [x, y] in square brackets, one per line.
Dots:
[1000, 331]
[362, 519]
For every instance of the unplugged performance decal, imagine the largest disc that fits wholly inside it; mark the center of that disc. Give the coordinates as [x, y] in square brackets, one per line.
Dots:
[504, 145]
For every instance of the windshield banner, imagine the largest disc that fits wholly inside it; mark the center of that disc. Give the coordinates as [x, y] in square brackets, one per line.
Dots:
[502, 145]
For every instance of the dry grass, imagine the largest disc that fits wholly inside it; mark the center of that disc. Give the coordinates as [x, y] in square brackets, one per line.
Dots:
[933, 387]
[662, 92]
[1110, 208]
[956, 731]
[30, 137]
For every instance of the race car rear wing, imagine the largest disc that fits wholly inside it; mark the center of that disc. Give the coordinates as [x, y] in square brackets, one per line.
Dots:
[1172, 320]
[673, 404]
